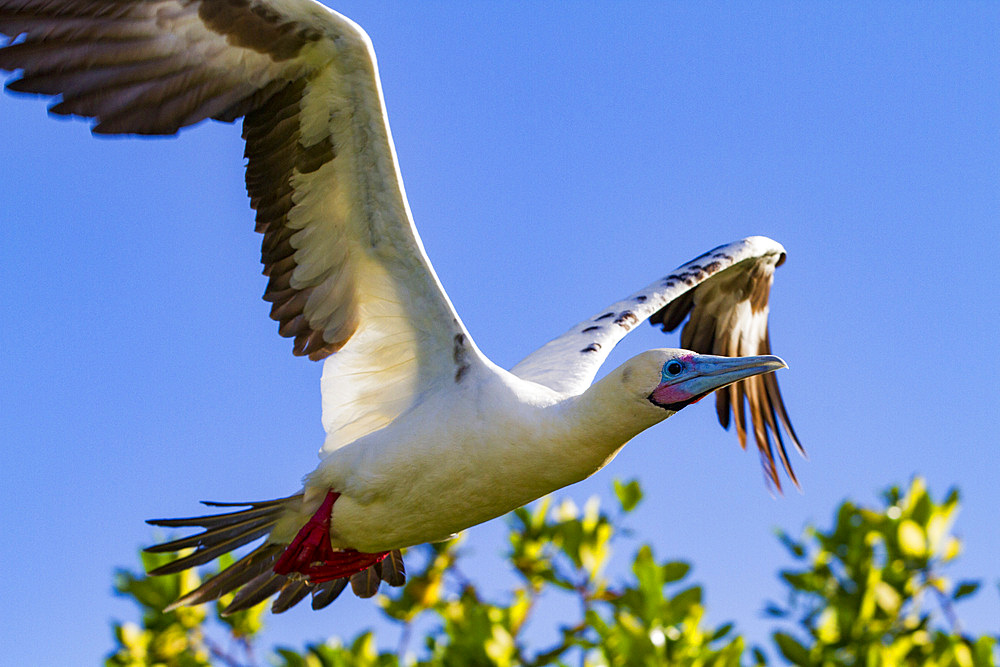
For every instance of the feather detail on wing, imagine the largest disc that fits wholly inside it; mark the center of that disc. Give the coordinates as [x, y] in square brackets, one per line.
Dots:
[342, 256]
[725, 292]
[727, 315]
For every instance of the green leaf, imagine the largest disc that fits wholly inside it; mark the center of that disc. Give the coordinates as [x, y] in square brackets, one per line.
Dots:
[964, 589]
[795, 548]
[291, 658]
[775, 611]
[887, 598]
[687, 598]
[793, 651]
[675, 571]
[629, 494]
[648, 574]
[722, 631]
[983, 650]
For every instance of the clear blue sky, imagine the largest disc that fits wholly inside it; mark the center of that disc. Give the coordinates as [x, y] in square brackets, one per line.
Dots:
[556, 159]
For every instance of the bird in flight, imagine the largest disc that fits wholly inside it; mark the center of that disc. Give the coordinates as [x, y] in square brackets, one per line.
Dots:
[425, 436]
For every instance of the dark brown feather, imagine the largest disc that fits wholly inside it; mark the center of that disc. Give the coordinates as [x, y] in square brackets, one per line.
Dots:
[73, 79]
[256, 26]
[671, 315]
[248, 531]
[327, 592]
[167, 111]
[275, 154]
[365, 583]
[290, 595]
[722, 407]
[736, 395]
[228, 518]
[393, 570]
[203, 555]
[224, 533]
[256, 591]
[44, 55]
[700, 333]
[252, 565]
[779, 405]
[114, 61]
[255, 504]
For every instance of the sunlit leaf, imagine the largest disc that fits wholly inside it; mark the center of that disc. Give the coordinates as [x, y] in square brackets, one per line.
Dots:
[911, 539]
[887, 598]
[952, 549]
[962, 655]
[629, 494]
[826, 626]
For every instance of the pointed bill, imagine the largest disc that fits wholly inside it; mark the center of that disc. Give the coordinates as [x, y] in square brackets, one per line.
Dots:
[698, 375]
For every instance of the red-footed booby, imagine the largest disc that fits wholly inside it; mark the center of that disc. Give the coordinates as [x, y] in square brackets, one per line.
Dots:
[425, 436]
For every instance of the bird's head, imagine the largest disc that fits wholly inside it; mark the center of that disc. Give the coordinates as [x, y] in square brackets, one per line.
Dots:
[673, 379]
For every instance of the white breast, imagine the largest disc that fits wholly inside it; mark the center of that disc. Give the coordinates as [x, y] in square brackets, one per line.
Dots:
[432, 472]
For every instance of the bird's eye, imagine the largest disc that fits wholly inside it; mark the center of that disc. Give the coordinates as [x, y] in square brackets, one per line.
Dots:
[674, 368]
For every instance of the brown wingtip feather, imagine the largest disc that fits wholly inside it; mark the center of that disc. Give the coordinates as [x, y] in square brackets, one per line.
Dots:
[716, 323]
[736, 401]
[778, 403]
[244, 531]
[722, 407]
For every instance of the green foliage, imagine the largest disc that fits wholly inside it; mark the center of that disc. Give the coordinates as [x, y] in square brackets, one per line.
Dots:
[870, 591]
[178, 638]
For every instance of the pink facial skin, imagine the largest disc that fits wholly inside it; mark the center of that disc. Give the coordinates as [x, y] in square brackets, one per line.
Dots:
[668, 394]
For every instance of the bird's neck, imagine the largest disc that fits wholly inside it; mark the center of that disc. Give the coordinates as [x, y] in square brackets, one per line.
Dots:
[601, 420]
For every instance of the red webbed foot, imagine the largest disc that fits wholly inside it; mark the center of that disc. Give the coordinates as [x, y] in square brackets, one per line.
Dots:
[311, 554]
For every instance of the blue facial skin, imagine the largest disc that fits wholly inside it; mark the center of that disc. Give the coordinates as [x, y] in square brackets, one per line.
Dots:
[671, 370]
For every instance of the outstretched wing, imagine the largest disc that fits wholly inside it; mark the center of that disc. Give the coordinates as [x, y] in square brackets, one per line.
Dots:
[725, 292]
[346, 269]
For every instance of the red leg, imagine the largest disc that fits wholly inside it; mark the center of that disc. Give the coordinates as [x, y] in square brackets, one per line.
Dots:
[311, 554]
[344, 564]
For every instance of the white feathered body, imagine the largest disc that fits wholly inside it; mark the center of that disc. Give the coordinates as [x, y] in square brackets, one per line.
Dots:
[420, 478]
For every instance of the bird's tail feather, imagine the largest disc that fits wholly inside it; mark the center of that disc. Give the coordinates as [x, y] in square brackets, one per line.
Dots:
[252, 576]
